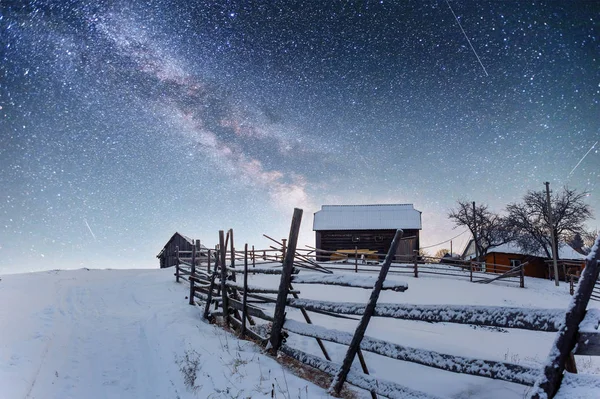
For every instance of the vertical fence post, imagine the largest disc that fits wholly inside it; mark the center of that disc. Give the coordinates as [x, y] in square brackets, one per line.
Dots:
[213, 277]
[416, 260]
[522, 276]
[223, 264]
[232, 255]
[355, 259]
[253, 257]
[208, 267]
[177, 263]
[245, 296]
[471, 271]
[192, 274]
[284, 284]
[340, 378]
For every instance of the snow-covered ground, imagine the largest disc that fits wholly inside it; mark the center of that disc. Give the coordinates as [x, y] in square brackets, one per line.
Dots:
[126, 334]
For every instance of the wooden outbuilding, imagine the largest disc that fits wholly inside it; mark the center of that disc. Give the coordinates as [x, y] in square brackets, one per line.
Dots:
[366, 227]
[538, 265]
[168, 255]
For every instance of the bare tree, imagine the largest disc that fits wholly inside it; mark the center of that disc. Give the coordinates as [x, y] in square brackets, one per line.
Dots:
[529, 219]
[441, 252]
[589, 238]
[489, 227]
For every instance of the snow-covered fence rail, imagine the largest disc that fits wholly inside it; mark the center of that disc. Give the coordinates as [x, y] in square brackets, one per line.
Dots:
[492, 316]
[416, 265]
[458, 364]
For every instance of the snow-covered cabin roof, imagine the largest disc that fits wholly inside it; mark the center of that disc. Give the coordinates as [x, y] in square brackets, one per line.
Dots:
[186, 238]
[367, 217]
[565, 251]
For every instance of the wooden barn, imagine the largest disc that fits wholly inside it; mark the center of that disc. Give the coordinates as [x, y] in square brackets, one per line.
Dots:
[167, 256]
[366, 227]
[538, 265]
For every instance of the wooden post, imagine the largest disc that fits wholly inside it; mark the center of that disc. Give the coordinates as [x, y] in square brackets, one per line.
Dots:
[340, 378]
[284, 284]
[223, 264]
[572, 285]
[210, 289]
[522, 275]
[245, 296]
[552, 236]
[192, 274]
[416, 259]
[471, 271]
[355, 259]
[232, 255]
[363, 365]
[208, 267]
[475, 233]
[549, 382]
[177, 264]
[253, 257]
[283, 248]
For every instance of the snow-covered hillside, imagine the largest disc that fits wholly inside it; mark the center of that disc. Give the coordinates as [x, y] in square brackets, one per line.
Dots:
[124, 334]
[130, 334]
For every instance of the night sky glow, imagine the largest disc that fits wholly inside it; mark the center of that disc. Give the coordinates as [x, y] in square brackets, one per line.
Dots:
[122, 122]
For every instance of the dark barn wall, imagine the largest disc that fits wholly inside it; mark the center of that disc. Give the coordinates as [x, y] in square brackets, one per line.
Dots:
[169, 257]
[376, 240]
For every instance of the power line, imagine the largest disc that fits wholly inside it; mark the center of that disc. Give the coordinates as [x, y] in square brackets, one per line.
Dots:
[443, 242]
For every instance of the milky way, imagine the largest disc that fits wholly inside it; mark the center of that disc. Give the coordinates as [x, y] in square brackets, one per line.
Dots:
[122, 122]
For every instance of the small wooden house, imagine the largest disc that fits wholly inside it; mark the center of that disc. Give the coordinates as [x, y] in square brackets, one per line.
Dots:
[366, 227]
[538, 265]
[168, 255]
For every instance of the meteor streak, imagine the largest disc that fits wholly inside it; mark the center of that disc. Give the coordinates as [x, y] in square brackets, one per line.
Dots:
[582, 158]
[90, 229]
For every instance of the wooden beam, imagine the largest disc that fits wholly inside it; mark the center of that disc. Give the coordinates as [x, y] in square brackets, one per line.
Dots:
[340, 378]
[284, 283]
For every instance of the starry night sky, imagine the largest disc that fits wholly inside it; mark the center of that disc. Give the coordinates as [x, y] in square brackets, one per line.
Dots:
[122, 122]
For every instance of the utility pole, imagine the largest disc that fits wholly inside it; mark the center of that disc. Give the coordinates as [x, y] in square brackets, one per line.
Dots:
[554, 252]
[475, 233]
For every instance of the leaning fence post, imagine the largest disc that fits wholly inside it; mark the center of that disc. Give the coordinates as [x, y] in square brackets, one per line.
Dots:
[192, 274]
[245, 296]
[284, 283]
[213, 277]
[223, 264]
[340, 378]
[549, 381]
[416, 260]
[283, 249]
[177, 263]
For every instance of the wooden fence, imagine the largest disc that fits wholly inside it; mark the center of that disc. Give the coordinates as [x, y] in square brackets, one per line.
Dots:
[214, 285]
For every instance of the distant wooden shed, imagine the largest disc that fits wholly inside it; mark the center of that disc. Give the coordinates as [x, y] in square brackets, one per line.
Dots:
[366, 227]
[168, 255]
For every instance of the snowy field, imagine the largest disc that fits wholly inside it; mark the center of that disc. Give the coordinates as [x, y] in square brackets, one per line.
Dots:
[126, 334]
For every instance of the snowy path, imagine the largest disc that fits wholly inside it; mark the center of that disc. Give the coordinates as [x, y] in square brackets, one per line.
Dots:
[110, 334]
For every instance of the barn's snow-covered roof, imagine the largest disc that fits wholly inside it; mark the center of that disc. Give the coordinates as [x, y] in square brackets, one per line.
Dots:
[367, 217]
